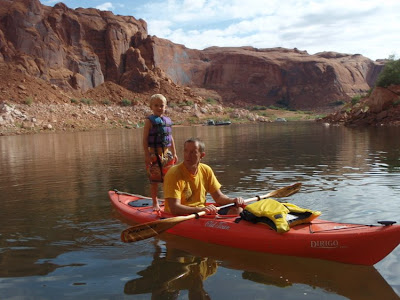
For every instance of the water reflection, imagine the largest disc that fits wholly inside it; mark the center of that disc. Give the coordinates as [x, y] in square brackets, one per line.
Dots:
[185, 264]
[171, 272]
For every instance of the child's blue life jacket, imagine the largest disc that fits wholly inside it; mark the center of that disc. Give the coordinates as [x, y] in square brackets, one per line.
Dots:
[160, 134]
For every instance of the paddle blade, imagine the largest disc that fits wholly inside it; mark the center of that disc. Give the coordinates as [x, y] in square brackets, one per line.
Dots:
[148, 230]
[286, 191]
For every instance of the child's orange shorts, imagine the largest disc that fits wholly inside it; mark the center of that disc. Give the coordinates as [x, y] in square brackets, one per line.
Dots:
[161, 166]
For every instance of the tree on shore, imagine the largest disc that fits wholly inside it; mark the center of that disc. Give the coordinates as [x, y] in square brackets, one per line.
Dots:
[390, 73]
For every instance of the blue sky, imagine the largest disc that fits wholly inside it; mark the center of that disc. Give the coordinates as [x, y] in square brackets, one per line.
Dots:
[367, 27]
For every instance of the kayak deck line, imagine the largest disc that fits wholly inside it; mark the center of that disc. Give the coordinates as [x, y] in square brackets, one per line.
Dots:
[347, 226]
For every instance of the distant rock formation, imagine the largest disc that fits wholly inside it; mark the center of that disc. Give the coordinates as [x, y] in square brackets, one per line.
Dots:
[277, 76]
[82, 48]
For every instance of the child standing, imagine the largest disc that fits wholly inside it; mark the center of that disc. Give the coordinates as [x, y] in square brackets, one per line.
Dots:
[158, 145]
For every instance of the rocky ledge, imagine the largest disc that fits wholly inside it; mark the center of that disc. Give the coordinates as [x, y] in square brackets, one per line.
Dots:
[381, 107]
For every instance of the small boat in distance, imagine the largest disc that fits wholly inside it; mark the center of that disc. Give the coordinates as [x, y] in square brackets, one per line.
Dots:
[218, 123]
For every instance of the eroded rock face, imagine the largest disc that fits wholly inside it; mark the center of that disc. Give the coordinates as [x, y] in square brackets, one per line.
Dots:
[82, 48]
[291, 78]
[57, 43]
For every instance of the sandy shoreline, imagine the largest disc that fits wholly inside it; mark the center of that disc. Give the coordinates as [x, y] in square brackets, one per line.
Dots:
[17, 118]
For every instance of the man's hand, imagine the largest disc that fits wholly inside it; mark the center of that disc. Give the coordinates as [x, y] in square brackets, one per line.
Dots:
[239, 202]
[210, 209]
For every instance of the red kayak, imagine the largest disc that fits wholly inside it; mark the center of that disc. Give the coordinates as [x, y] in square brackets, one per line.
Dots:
[341, 242]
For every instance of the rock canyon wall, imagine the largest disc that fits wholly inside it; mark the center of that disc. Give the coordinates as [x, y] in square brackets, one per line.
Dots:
[291, 78]
[79, 49]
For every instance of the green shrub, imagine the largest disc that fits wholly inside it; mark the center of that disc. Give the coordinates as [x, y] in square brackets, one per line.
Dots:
[355, 99]
[258, 107]
[28, 101]
[185, 103]
[274, 107]
[74, 101]
[192, 120]
[303, 112]
[86, 101]
[211, 101]
[106, 102]
[390, 73]
[126, 102]
[172, 105]
[337, 103]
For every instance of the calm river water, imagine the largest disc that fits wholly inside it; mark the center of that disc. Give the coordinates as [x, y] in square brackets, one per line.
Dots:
[59, 235]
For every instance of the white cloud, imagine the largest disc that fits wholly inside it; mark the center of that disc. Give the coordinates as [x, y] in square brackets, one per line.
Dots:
[358, 26]
[105, 6]
[315, 26]
[161, 28]
[49, 2]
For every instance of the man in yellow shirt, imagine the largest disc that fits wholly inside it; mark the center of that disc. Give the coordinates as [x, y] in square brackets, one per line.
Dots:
[186, 185]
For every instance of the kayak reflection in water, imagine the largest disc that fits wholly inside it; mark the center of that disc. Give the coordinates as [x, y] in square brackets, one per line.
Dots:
[171, 272]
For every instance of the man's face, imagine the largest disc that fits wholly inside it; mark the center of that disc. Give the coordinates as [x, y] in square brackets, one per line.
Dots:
[192, 154]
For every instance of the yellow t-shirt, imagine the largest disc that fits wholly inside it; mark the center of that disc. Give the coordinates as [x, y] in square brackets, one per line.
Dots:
[191, 189]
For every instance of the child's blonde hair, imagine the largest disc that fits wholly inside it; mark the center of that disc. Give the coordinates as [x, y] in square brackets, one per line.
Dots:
[158, 96]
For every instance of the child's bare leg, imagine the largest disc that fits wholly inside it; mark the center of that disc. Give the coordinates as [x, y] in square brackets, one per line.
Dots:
[153, 193]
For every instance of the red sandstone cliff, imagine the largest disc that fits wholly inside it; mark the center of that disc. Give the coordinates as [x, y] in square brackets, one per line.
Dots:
[269, 76]
[80, 49]
[71, 48]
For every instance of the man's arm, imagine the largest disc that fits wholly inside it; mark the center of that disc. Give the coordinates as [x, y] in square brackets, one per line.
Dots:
[222, 199]
[177, 208]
